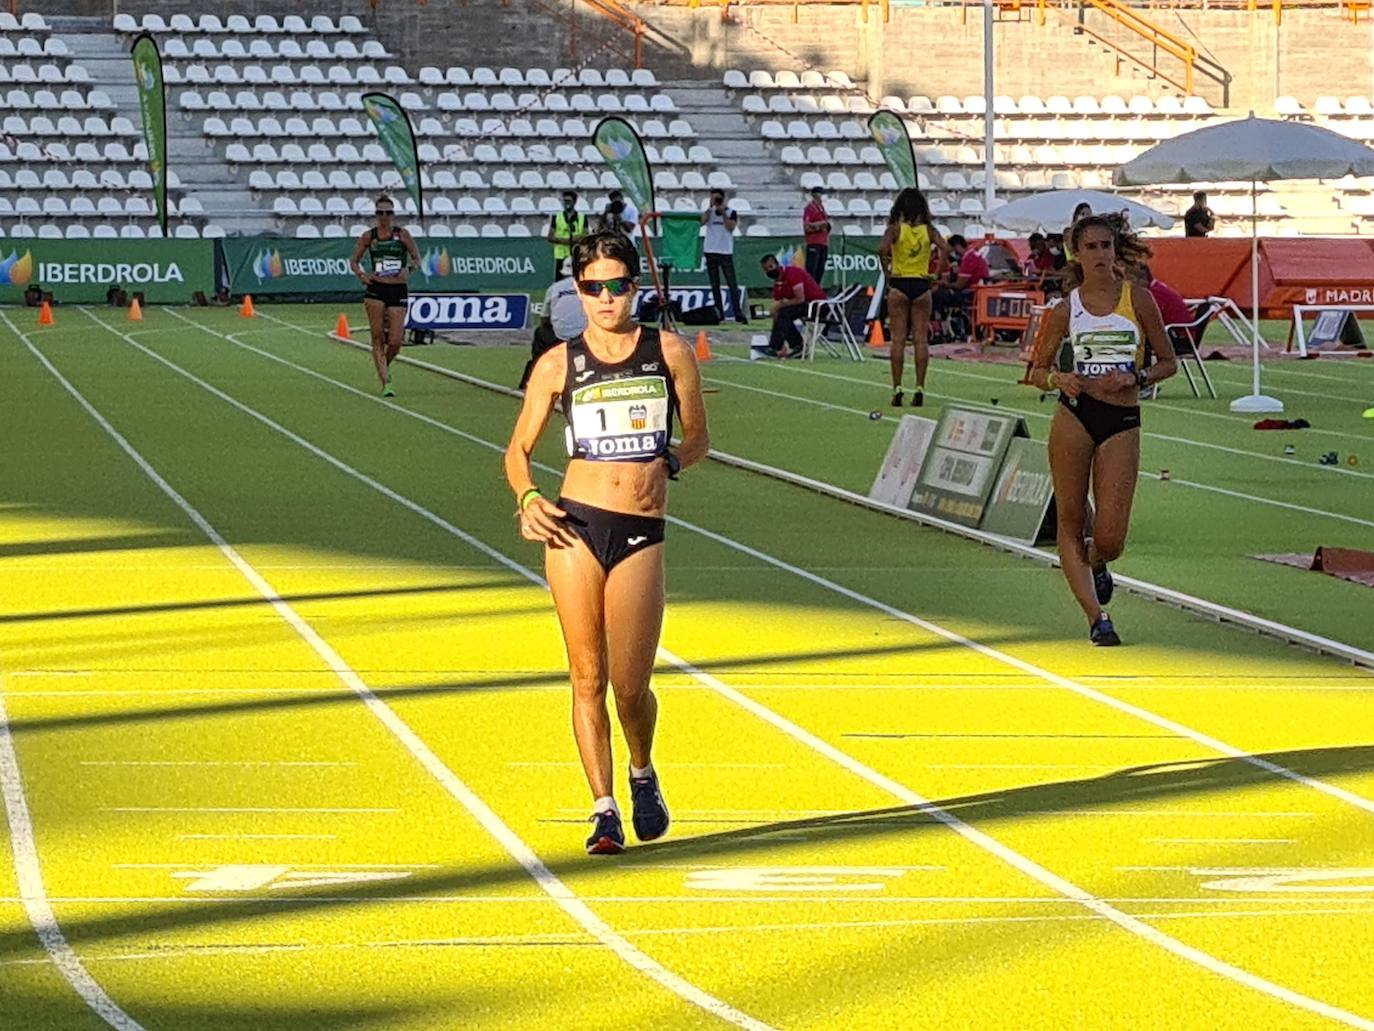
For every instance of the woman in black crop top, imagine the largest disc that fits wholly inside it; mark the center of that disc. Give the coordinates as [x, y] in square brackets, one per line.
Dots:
[620, 386]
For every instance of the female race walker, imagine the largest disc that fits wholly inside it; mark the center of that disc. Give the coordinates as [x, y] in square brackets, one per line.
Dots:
[904, 253]
[393, 257]
[1095, 434]
[620, 385]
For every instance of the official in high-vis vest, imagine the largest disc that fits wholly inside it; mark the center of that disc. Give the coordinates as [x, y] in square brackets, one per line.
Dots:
[566, 227]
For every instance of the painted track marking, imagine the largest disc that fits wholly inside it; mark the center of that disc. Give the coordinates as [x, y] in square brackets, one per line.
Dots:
[899, 791]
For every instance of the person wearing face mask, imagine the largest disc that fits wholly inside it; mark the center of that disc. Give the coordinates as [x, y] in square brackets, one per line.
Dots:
[393, 256]
[620, 385]
[566, 227]
[793, 290]
[721, 222]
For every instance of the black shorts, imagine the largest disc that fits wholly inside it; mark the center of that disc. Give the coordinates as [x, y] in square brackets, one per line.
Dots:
[911, 287]
[611, 536]
[393, 295]
[1101, 420]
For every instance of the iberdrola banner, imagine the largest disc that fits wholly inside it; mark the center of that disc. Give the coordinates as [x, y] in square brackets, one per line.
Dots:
[623, 150]
[152, 102]
[397, 138]
[889, 133]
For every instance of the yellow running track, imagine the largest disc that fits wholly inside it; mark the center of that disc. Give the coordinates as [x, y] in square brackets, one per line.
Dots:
[285, 743]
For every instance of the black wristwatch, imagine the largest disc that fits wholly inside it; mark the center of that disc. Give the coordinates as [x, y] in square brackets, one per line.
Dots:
[674, 466]
[1141, 379]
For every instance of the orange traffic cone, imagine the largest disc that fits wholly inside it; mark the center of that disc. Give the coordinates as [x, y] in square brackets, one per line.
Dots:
[246, 308]
[703, 347]
[135, 311]
[341, 329]
[45, 314]
[875, 334]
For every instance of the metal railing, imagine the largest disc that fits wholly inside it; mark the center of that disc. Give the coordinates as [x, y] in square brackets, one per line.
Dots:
[1162, 43]
[617, 16]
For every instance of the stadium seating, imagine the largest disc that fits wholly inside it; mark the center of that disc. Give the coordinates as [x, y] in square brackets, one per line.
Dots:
[276, 101]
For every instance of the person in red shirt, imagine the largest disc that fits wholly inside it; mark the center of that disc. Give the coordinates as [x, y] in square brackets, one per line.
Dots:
[967, 268]
[1173, 309]
[1040, 260]
[793, 289]
[816, 228]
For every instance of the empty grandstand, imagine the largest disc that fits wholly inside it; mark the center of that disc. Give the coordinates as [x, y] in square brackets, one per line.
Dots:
[268, 136]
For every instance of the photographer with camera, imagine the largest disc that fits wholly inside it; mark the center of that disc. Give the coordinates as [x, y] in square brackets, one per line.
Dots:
[621, 216]
[721, 221]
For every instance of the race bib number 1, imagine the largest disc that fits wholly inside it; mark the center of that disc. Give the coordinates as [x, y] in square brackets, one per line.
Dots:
[619, 420]
[1102, 353]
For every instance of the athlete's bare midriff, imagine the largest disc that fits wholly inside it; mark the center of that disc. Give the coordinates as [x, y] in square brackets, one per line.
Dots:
[633, 488]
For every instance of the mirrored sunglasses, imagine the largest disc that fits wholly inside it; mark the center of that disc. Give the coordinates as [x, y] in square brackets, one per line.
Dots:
[617, 287]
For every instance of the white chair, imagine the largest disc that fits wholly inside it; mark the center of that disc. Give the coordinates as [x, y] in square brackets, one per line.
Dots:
[831, 311]
[1289, 107]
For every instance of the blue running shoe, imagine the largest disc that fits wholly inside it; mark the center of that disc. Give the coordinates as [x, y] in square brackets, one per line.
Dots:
[1103, 585]
[650, 814]
[608, 839]
[1103, 633]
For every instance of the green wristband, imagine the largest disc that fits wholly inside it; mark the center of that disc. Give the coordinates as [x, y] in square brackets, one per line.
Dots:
[533, 492]
[1049, 380]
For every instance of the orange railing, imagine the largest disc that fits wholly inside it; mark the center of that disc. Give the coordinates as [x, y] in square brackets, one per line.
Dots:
[619, 17]
[1160, 40]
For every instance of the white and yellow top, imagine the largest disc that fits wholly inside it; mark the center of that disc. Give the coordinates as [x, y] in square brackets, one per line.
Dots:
[1109, 343]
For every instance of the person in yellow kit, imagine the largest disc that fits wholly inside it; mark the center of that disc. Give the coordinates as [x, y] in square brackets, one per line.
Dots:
[905, 253]
[566, 227]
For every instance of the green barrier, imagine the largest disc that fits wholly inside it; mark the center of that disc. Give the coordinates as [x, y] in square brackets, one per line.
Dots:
[267, 266]
[1020, 502]
[82, 271]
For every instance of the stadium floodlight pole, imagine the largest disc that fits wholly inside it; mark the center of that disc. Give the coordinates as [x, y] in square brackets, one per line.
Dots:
[988, 120]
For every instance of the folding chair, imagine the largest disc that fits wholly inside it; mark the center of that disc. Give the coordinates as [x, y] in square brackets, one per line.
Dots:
[1184, 337]
[819, 314]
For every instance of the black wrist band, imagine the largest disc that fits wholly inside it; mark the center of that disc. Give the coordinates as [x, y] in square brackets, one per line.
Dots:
[673, 463]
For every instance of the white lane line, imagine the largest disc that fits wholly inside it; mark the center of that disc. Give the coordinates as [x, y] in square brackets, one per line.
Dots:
[1155, 592]
[1164, 723]
[886, 784]
[239, 809]
[294, 866]
[676, 765]
[568, 941]
[1241, 495]
[553, 886]
[257, 837]
[248, 763]
[33, 892]
[685, 900]
[1032, 414]
[1221, 841]
[1238, 421]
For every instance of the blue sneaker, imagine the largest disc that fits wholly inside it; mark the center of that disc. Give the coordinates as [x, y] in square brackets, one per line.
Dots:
[1103, 585]
[650, 814]
[608, 839]
[1103, 633]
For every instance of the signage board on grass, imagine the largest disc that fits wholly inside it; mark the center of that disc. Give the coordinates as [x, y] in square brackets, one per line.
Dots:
[896, 479]
[1021, 503]
[961, 468]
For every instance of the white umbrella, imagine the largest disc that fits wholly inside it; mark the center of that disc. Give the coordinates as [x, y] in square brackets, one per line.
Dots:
[1053, 209]
[1260, 150]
